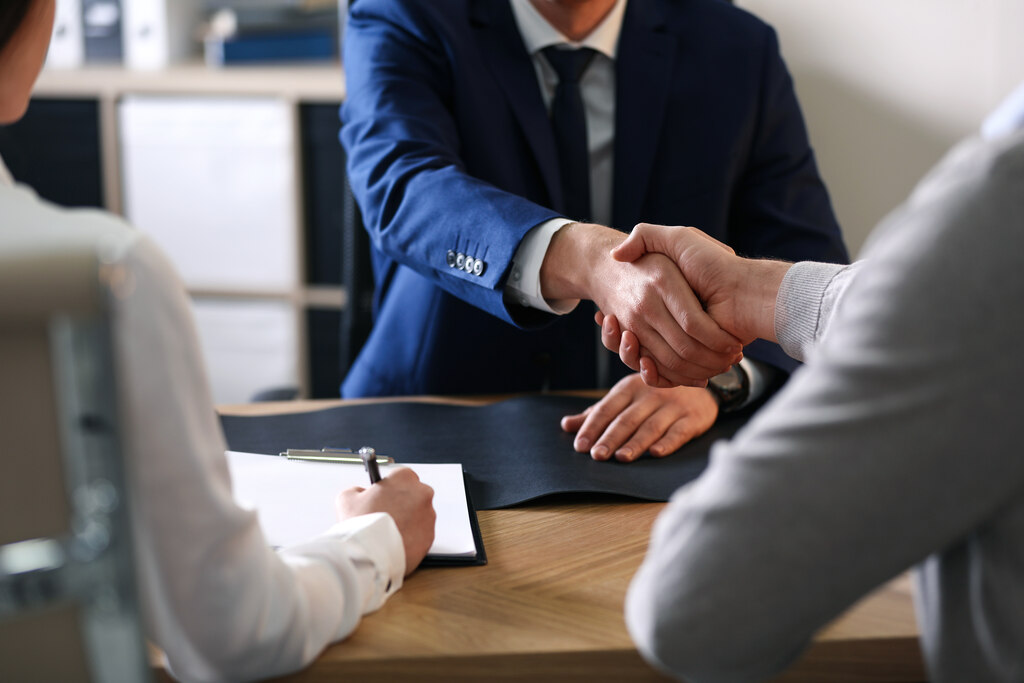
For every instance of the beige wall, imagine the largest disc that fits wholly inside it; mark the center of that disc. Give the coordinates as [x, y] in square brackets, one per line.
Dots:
[888, 85]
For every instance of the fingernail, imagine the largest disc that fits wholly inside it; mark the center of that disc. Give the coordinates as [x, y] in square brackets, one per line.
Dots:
[582, 444]
[624, 453]
[599, 452]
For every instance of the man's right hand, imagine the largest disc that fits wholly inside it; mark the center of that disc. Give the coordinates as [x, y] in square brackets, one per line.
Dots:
[402, 495]
[649, 297]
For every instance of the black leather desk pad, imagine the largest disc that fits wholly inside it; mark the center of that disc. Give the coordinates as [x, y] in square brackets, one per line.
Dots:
[512, 451]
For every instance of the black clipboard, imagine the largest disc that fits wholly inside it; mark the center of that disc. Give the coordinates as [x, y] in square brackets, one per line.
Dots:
[459, 560]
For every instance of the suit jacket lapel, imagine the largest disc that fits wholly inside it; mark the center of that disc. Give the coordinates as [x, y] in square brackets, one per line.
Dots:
[503, 50]
[643, 72]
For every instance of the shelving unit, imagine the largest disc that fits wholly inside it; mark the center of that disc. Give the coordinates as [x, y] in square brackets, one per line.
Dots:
[295, 87]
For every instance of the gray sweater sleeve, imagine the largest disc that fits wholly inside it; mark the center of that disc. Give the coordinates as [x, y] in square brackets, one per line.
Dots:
[805, 304]
[898, 440]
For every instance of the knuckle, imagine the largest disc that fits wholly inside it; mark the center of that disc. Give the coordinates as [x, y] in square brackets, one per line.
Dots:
[691, 322]
[659, 279]
[641, 309]
[674, 364]
[603, 414]
[628, 423]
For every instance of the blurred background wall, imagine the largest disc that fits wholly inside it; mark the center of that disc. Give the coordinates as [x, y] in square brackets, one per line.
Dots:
[888, 85]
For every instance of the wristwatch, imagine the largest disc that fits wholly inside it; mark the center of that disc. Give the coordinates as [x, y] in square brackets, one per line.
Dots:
[731, 388]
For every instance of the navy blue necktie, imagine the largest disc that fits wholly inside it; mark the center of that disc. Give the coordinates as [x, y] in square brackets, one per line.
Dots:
[569, 121]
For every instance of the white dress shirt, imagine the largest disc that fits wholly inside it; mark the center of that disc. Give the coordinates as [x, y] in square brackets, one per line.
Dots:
[216, 599]
[598, 90]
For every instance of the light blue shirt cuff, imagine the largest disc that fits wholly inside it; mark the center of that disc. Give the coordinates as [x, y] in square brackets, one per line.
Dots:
[523, 286]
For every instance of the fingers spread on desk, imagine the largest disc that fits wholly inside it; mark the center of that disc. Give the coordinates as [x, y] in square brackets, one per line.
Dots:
[613, 420]
[572, 423]
[633, 419]
[694, 410]
[634, 430]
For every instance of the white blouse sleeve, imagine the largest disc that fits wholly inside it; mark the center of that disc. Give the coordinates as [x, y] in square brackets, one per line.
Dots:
[218, 601]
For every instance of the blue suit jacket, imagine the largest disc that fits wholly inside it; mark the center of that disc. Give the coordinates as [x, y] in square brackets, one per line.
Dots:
[450, 150]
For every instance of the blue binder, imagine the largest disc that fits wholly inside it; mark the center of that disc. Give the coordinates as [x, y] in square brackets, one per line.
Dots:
[101, 28]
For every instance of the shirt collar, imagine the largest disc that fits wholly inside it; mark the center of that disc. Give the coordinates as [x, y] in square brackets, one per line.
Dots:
[538, 34]
[1008, 116]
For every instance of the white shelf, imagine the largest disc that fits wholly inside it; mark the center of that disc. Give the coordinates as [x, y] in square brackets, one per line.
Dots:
[316, 82]
[293, 85]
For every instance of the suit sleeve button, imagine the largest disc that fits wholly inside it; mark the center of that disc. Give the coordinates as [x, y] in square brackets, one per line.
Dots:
[478, 267]
[460, 260]
[468, 267]
[450, 258]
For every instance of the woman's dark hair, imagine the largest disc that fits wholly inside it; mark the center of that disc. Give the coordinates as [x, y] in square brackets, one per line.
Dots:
[12, 13]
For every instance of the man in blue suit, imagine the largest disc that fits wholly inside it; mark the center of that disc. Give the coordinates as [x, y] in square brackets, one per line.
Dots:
[479, 259]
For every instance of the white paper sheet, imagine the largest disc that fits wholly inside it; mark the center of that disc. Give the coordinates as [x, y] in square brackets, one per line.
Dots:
[295, 499]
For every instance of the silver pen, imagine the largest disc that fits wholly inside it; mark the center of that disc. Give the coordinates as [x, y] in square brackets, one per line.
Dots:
[338, 455]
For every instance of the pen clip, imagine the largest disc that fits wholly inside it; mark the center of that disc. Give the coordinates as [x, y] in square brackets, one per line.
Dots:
[336, 455]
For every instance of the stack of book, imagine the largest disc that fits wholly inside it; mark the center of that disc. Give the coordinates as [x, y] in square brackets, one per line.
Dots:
[251, 31]
[142, 34]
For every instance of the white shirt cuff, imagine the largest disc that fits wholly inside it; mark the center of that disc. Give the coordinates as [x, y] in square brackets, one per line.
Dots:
[523, 285]
[375, 547]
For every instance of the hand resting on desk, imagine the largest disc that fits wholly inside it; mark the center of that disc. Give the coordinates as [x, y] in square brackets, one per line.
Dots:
[407, 500]
[634, 418]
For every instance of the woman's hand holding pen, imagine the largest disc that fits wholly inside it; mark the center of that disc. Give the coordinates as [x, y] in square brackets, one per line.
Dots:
[402, 495]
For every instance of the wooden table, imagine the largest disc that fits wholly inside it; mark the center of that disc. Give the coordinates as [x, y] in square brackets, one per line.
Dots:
[548, 606]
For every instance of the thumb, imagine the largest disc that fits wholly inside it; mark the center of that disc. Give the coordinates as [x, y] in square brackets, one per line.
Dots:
[645, 238]
[632, 248]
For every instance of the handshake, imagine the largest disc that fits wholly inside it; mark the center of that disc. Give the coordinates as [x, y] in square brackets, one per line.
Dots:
[683, 304]
[678, 306]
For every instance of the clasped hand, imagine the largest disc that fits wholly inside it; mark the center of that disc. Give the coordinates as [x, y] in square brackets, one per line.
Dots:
[648, 295]
[656, 414]
[738, 294]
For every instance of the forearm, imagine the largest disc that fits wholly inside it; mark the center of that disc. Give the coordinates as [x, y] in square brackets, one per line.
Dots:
[575, 260]
[419, 215]
[217, 599]
[755, 293]
[408, 162]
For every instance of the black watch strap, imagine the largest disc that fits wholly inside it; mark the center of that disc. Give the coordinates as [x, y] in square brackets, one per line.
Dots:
[731, 389]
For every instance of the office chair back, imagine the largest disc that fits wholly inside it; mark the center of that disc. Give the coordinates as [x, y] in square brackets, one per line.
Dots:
[68, 610]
